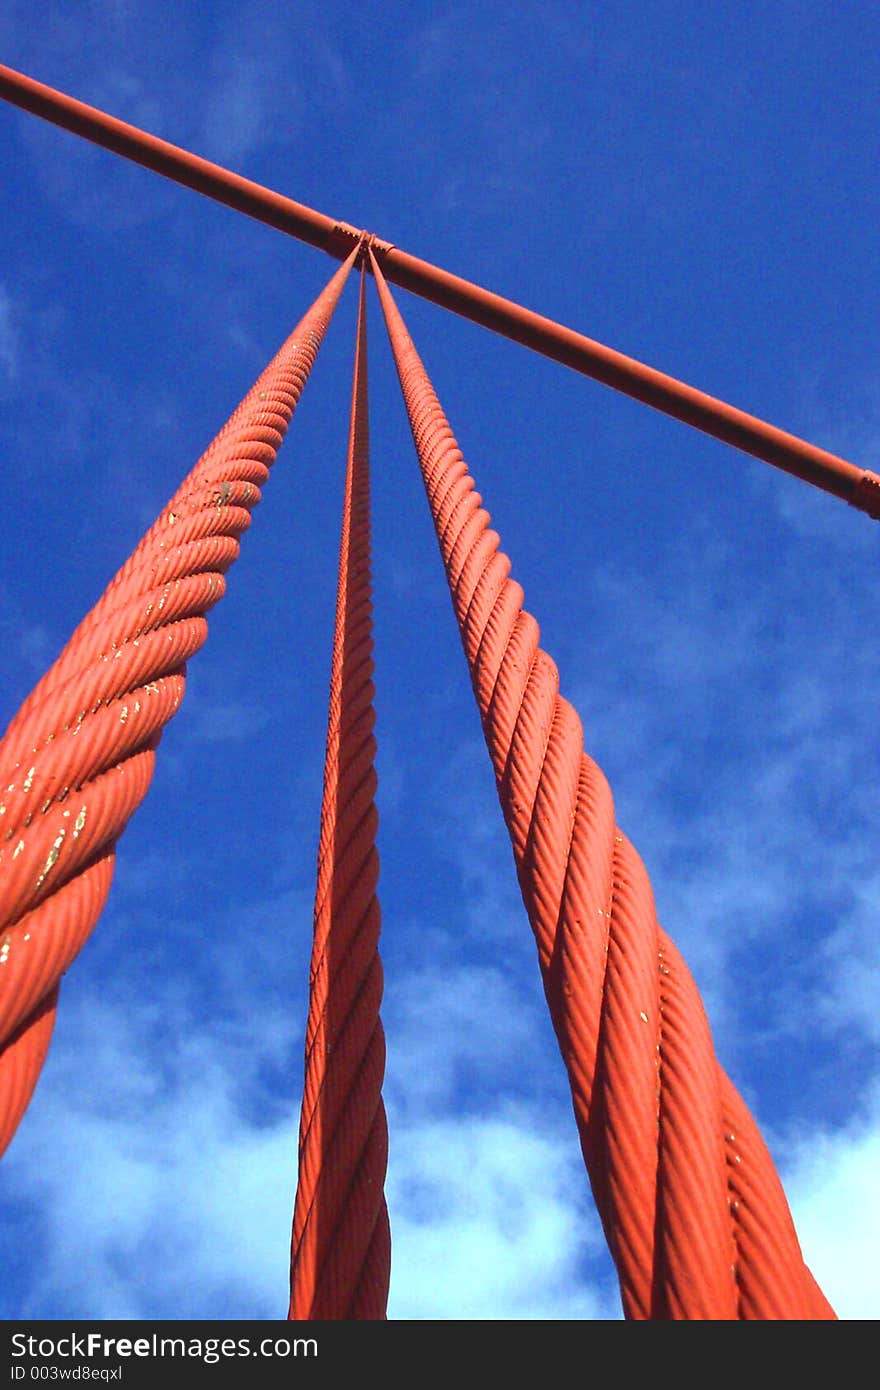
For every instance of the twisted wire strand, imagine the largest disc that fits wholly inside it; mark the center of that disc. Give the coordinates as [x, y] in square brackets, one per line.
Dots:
[77, 758]
[692, 1208]
[341, 1247]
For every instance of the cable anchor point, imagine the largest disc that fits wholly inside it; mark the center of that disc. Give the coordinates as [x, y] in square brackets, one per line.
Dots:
[344, 237]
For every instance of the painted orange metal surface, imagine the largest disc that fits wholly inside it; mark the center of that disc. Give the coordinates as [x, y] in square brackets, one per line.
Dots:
[859, 487]
[341, 1246]
[178, 164]
[694, 1213]
[77, 758]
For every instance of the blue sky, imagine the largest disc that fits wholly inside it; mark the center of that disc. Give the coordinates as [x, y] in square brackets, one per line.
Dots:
[695, 186]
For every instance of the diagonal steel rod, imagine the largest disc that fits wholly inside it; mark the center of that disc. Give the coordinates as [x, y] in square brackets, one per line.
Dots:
[714, 417]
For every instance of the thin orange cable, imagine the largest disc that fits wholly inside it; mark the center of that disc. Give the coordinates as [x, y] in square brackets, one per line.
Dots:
[341, 1245]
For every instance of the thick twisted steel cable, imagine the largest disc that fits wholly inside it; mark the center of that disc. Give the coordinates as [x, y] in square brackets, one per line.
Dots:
[341, 1245]
[693, 1211]
[77, 758]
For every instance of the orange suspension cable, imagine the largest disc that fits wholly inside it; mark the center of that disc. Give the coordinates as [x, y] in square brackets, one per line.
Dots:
[858, 486]
[694, 1213]
[341, 1247]
[77, 758]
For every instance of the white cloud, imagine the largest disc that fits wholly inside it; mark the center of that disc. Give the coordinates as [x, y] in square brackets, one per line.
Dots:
[174, 1190]
[488, 1223]
[735, 744]
[250, 100]
[831, 1184]
[228, 720]
[756, 812]
[246, 100]
[851, 959]
[174, 1208]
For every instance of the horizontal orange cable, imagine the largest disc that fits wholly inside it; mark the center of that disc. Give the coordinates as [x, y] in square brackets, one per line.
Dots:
[714, 417]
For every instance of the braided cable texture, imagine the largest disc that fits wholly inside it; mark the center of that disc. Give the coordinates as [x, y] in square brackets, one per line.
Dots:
[77, 758]
[341, 1246]
[692, 1208]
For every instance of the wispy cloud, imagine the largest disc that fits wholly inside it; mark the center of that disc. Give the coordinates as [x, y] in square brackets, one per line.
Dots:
[9, 355]
[488, 1223]
[831, 1183]
[179, 1200]
[851, 964]
[734, 740]
[246, 100]
[175, 1206]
